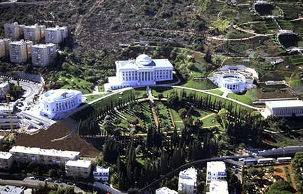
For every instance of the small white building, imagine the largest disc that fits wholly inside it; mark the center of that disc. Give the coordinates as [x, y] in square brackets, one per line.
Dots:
[216, 187]
[234, 78]
[143, 71]
[187, 183]
[78, 168]
[101, 173]
[216, 170]
[6, 160]
[165, 190]
[283, 108]
[54, 104]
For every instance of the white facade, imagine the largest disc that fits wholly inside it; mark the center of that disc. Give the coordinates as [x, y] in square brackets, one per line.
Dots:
[215, 171]
[19, 51]
[42, 156]
[13, 31]
[283, 108]
[216, 187]
[9, 121]
[78, 168]
[165, 190]
[187, 183]
[55, 35]
[34, 33]
[234, 78]
[143, 71]
[6, 160]
[58, 102]
[101, 173]
[43, 54]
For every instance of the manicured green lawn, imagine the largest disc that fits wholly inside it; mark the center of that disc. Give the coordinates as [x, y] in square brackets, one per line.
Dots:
[241, 98]
[76, 84]
[90, 98]
[217, 91]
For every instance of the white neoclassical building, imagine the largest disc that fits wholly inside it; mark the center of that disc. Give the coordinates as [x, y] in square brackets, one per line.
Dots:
[143, 71]
[55, 103]
[283, 108]
[235, 79]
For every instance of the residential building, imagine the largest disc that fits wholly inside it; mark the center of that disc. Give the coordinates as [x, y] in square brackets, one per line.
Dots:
[9, 189]
[187, 183]
[42, 156]
[9, 121]
[78, 168]
[19, 51]
[165, 190]
[56, 35]
[43, 54]
[13, 31]
[6, 160]
[56, 103]
[1, 141]
[283, 108]
[216, 187]
[143, 71]
[34, 33]
[4, 47]
[216, 170]
[235, 79]
[101, 173]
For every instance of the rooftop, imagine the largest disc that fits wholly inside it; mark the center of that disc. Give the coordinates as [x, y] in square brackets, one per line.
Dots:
[9, 189]
[5, 155]
[218, 166]
[79, 163]
[284, 103]
[165, 190]
[59, 94]
[46, 152]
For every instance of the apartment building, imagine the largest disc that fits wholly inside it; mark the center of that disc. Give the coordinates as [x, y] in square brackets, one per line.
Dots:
[187, 183]
[56, 35]
[13, 31]
[43, 54]
[78, 168]
[1, 141]
[101, 173]
[42, 156]
[216, 170]
[19, 51]
[4, 47]
[34, 33]
[6, 160]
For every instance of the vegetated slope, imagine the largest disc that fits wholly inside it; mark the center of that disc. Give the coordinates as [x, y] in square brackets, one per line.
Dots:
[106, 23]
[43, 139]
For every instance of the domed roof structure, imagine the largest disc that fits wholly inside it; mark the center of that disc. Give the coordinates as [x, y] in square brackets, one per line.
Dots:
[144, 60]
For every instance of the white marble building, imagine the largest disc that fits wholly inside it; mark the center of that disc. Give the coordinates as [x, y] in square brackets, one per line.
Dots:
[187, 183]
[143, 71]
[235, 79]
[55, 103]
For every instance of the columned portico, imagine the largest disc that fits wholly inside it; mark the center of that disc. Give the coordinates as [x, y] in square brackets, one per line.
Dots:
[140, 72]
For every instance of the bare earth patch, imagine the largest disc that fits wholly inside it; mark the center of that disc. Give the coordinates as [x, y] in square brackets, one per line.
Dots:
[43, 139]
